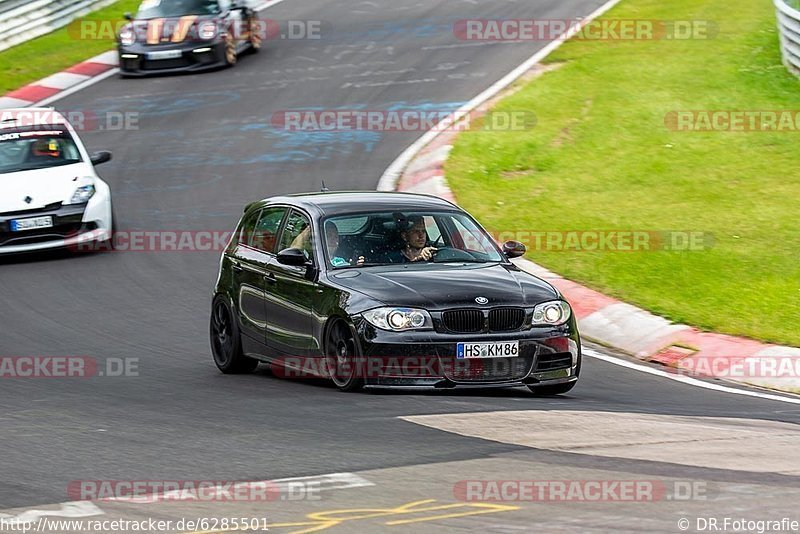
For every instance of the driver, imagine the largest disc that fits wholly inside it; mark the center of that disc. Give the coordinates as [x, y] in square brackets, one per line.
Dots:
[415, 239]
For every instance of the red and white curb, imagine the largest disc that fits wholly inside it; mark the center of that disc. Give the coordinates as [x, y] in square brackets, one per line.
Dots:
[603, 319]
[63, 83]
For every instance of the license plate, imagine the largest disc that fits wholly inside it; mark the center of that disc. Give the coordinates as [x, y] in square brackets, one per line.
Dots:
[503, 349]
[18, 225]
[165, 54]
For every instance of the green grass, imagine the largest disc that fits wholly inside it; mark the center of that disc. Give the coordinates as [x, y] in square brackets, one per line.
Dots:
[601, 158]
[56, 51]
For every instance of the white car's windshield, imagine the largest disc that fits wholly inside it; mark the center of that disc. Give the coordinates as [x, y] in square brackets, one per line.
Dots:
[382, 238]
[26, 149]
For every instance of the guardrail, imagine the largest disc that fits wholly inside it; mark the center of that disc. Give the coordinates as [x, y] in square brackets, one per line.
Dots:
[789, 30]
[22, 20]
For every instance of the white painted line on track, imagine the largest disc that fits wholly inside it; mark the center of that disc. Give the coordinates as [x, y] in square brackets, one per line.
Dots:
[687, 379]
[388, 181]
[99, 78]
[68, 509]
[331, 481]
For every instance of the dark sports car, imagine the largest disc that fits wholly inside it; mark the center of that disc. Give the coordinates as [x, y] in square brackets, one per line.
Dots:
[186, 35]
[386, 289]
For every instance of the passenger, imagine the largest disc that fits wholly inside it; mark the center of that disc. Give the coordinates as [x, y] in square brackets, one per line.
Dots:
[332, 238]
[415, 239]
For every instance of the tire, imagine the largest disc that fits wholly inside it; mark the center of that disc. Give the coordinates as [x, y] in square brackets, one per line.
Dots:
[230, 50]
[255, 39]
[557, 389]
[110, 242]
[548, 391]
[226, 341]
[342, 357]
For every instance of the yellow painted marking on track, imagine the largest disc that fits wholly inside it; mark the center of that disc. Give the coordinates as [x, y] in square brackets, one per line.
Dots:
[317, 521]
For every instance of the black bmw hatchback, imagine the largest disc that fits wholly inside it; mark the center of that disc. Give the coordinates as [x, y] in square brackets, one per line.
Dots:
[386, 289]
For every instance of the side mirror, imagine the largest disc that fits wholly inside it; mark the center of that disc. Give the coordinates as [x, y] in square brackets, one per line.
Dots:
[293, 256]
[100, 157]
[513, 249]
[127, 16]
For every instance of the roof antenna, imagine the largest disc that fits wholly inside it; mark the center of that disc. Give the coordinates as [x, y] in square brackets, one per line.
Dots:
[324, 187]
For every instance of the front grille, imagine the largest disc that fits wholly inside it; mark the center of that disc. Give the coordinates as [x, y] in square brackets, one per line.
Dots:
[163, 64]
[487, 369]
[62, 230]
[506, 319]
[468, 321]
[33, 211]
[463, 321]
[553, 361]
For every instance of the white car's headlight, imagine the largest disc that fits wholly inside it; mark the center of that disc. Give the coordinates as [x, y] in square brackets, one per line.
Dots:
[127, 36]
[399, 318]
[207, 30]
[82, 194]
[555, 312]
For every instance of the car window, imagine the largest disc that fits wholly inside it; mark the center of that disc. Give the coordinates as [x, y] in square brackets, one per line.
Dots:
[35, 148]
[297, 233]
[150, 9]
[433, 229]
[468, 239]
[265, 232]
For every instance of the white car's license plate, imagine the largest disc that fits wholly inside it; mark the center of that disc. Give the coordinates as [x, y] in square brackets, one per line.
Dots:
[18, 225]
[502, 349]
[165, 54]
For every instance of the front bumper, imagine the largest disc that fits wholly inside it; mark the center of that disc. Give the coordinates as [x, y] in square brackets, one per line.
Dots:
[547, 356]
[72, 225]
[195, 56]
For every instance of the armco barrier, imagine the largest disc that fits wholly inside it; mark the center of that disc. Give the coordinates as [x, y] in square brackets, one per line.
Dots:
[22, 20]
[789, 30]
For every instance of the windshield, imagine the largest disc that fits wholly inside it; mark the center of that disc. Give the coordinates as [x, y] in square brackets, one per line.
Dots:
[384, 238]
[151, 9]
[26, 149]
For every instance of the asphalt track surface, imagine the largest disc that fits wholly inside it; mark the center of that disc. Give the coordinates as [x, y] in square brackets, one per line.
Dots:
[204, 148]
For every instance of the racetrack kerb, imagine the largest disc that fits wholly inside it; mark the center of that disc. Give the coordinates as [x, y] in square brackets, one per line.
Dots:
[601, 158]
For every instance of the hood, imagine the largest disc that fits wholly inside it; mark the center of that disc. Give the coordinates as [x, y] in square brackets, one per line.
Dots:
[43, 186]
[169, 30]
[447, 286]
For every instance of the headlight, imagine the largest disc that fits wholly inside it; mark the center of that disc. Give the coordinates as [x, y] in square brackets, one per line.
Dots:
[555, 312]
[127, 36]
[399, 318]
[82, 194]
[207, 30]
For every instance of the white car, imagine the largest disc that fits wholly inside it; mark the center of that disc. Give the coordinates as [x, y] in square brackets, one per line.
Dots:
[50, 194]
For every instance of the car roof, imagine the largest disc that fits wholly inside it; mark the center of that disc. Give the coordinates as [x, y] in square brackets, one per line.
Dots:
[30, 117]
[341, 202]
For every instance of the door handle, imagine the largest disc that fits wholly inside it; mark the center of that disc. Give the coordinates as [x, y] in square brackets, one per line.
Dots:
[270, 278]
[236, 267]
